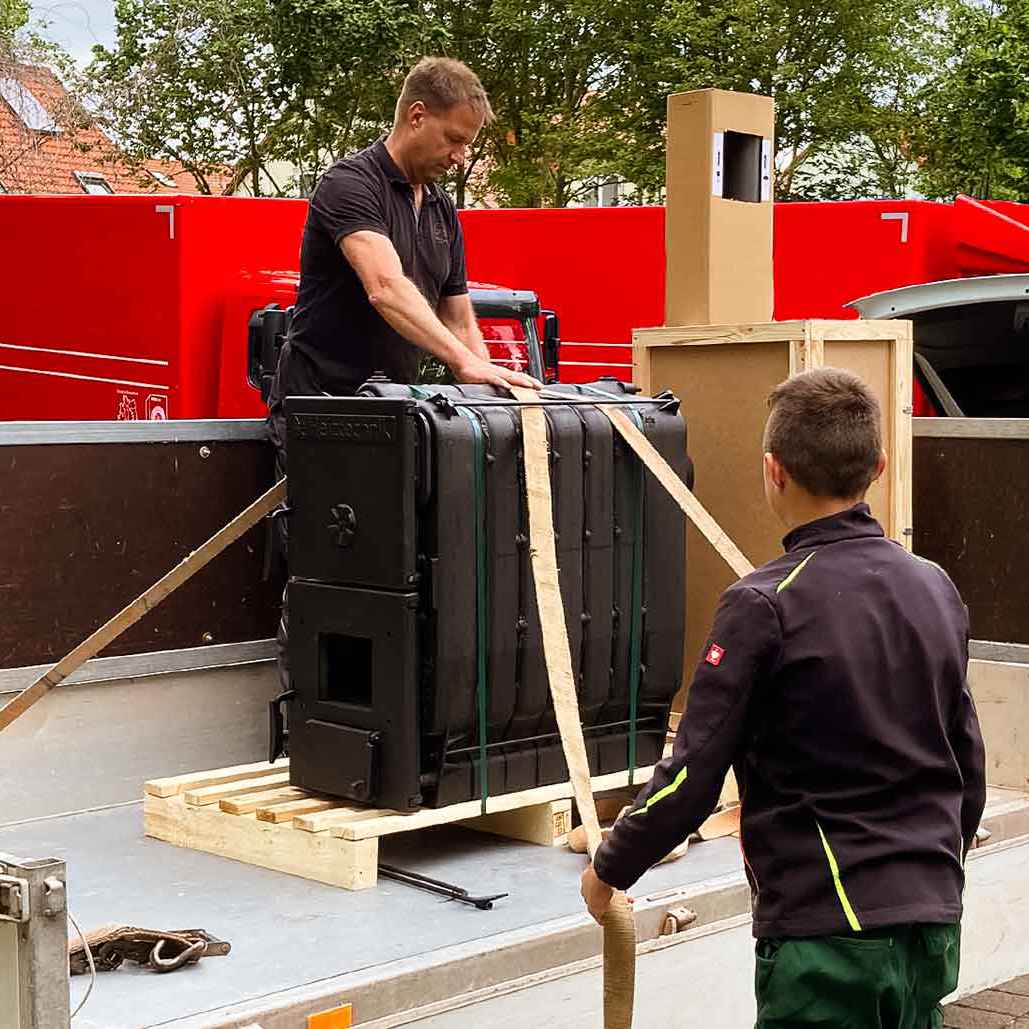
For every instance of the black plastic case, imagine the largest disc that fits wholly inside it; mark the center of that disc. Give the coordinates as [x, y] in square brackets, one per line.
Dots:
[409, 560]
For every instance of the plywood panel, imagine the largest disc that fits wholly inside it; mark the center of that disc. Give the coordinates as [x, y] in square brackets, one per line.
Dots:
[88, 527]
[722, 389]
[972, 518]
[871, 361]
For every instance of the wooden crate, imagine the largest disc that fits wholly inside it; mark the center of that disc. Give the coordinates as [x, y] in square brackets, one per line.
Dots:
[723, 374]
[250, 813]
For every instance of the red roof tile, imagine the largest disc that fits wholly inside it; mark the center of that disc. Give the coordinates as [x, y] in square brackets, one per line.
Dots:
[46, 162]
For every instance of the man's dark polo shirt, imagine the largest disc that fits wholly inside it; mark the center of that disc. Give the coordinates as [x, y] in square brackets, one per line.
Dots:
[341, 338]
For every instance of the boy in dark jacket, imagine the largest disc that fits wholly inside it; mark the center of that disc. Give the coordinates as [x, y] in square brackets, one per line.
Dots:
[834, 684]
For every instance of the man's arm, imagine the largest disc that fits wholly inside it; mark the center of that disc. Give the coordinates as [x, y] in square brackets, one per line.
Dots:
[743, 648]
[458, 315]
[398, 300]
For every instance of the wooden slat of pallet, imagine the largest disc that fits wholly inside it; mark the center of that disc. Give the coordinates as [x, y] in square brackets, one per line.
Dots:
[288, 810]
[546, 825]
[250, 802]
[212, 794]
[318, 856]
[352, 864]
[174, 784]
[384, 825]
[325, 820]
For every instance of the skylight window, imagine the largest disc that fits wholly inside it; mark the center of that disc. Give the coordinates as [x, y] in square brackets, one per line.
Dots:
[32, 113]
[162, 179]
[94, 183]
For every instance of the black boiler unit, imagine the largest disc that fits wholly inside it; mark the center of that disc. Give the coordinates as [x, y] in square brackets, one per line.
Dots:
[415, 651]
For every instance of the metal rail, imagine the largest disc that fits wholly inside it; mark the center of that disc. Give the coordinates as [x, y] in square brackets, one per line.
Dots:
[206, 430]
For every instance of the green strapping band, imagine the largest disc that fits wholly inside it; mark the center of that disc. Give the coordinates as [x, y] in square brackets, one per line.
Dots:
[667, 791]
[834, 868]
[796, 571]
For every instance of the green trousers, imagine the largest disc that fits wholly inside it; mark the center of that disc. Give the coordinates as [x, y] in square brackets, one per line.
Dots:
[889, 978]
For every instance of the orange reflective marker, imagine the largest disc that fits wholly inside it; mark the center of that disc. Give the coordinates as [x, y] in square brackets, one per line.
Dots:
[337, 1018]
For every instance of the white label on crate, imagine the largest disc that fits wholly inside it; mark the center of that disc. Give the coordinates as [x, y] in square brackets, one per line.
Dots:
[766, 170]
[156, 408]
[717, 169]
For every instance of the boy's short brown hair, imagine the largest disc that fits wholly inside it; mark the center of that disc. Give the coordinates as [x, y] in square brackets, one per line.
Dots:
[442, 83]
[824, 427]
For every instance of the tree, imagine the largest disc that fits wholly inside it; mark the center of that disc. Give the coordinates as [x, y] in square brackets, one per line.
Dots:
[14, 16]
[578, 87]
[193, 82]
[24, 50]
[975, 129]
[842, 74]
[543, 65]
[340, 66]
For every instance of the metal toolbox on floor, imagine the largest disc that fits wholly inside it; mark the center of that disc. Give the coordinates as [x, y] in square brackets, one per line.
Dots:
[417, 667]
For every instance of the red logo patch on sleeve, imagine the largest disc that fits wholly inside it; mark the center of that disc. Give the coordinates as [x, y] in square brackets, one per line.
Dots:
[715, 655]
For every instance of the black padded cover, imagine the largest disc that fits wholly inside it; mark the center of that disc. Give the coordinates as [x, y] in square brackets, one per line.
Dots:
[385, 502]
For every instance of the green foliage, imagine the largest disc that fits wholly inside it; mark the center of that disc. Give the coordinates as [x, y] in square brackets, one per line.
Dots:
[14, 16]
[193, 81]
[340, 67]
[543, 65]
[975, 126]
[873, 96]
[841, 72]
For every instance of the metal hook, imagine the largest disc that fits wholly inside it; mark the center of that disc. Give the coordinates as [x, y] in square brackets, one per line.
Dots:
[191, 953]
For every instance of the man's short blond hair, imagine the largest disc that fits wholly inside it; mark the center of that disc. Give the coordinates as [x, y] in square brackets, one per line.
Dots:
[442, 83]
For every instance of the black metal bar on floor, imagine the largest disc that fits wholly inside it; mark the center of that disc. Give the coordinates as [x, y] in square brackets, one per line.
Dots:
[442, 889]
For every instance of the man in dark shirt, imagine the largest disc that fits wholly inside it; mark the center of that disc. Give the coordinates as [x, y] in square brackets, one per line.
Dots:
[834, 684]
[382, 263]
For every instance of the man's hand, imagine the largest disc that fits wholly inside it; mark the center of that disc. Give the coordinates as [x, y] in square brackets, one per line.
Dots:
[596, 893]
[471, 369]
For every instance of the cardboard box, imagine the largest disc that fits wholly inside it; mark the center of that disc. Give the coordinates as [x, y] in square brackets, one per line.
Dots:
[718, 220]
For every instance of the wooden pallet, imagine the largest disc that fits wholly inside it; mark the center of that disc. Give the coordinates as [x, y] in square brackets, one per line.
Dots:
[250, 813]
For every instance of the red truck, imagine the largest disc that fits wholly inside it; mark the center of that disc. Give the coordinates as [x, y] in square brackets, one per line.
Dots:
[137, 307]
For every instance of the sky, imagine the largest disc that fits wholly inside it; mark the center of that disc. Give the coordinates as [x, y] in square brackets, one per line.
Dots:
[77, 25]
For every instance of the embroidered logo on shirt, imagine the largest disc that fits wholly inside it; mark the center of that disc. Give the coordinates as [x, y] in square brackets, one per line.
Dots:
[715, 655]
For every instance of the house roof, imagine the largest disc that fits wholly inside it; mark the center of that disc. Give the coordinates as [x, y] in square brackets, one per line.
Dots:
[37, 159]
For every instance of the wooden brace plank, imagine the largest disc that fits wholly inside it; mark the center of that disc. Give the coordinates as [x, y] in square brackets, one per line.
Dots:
[170, 786]
[324, 820]
[212, 794]
[250, 802]
[288, 810]
[859, 329]
[690, 335]
[146, 601]
[692, 507]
